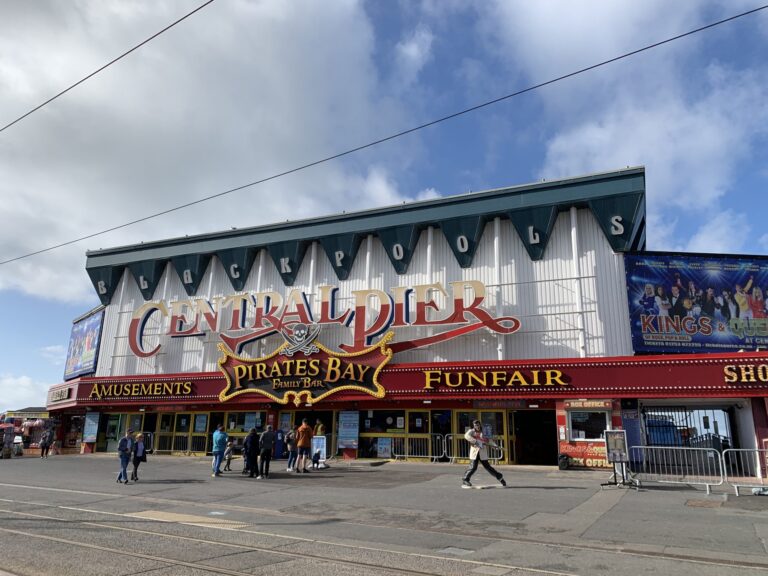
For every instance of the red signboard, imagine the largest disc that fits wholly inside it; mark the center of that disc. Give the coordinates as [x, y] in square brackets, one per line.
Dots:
[680, 376]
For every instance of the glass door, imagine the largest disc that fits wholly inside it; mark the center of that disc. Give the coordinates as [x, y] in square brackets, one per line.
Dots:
[199, 435]
[165, 433]
[114, 431]
[181, 432]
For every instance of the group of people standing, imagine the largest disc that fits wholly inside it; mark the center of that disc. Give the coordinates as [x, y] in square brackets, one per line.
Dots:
[131, 450]
[258, 449]
[687, 299]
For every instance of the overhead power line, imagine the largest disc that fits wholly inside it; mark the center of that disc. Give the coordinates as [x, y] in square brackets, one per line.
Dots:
[107, 65]
[388, 138]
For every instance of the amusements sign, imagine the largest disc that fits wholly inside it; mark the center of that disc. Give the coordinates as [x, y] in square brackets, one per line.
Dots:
[697, 303]
[84, 346]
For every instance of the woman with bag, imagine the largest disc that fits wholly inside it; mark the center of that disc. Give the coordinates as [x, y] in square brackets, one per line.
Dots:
[139, 456]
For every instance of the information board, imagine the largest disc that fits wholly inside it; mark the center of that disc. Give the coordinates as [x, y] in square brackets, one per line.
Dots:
[91, 427]
[616, 446]
[349, 424]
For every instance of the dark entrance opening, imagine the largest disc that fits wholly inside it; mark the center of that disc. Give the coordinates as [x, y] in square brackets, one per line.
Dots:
[441, 424]
[215, 419]
[312, 416]
[535, 437]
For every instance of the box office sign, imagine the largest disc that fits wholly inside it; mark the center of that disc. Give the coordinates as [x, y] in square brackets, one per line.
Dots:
[587, 404]
[303, 368]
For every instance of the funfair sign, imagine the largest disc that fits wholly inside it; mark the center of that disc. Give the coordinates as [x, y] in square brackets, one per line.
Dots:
[242, 318]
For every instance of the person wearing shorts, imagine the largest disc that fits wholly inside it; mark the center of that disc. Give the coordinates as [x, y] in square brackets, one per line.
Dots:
[304, 444]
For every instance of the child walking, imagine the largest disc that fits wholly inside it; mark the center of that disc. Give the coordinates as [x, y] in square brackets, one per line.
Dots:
[228, 456]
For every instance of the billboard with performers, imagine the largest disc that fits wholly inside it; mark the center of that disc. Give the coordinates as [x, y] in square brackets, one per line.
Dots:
[697, 303]
[84, 345]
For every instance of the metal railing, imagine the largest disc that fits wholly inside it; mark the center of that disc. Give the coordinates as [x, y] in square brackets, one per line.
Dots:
[674, 465]
[745, 468]
[457, 448]
[164, 443]
[430, 446]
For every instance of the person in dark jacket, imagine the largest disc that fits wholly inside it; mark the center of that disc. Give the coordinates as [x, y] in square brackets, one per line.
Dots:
[45, 443]
[124, 449]
[139, 455]
[266, 444]
[251, 452]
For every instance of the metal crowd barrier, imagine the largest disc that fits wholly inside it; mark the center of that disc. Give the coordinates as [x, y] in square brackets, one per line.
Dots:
[181, 443]
[745, 468]
[149, 440]
[457, 448]
[673, 465]
[430, 446]
[331, 446]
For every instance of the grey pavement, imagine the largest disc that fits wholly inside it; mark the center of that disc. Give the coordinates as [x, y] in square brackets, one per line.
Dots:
[67, 515]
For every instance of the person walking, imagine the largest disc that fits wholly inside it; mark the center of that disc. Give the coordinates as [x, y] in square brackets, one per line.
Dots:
[290, 442]
[124, 448]
[304, 443]
[219, 445]
[251, 453]
[266, 444]
[478, 454]
[139, 453]
[45, 443]
[228, 453]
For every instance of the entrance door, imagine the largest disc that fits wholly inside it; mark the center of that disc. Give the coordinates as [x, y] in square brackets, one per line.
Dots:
[441, 425]
[113, 434]
[534, 434]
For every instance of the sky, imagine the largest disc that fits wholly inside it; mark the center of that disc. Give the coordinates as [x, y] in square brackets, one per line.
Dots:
[245, 89]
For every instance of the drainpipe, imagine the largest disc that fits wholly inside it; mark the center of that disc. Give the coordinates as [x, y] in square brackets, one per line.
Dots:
[497, 281]
[575, 252]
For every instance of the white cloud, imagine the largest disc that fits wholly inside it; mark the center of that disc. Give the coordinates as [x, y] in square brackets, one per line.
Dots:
[428, 194]
[236, 93]
[690, 147]
[55, 354]
[21, 392]
[412, 54]
[691, 122]
[724, 233]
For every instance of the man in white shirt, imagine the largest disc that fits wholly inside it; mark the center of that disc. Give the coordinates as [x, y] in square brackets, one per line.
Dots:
[478, 454]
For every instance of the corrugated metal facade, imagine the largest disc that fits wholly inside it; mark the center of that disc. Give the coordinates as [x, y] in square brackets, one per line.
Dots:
[541, 293]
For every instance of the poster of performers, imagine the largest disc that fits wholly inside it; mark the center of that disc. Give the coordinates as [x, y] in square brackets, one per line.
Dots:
[84, 346]
[697, 303]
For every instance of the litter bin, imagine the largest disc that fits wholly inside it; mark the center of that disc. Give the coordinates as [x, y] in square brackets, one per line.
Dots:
[562, 461]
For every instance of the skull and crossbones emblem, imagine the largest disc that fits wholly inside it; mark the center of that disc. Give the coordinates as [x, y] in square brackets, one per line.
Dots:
[300, 338]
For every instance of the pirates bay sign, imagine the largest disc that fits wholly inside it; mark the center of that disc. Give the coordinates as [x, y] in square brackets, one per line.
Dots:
[242, 318]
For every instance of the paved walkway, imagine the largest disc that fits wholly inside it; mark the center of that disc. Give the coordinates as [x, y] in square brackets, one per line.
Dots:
[394, 518]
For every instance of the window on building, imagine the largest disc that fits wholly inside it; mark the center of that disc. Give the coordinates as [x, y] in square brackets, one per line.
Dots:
[244, 421]
[382, 421]
[418, 422]
[588, 425]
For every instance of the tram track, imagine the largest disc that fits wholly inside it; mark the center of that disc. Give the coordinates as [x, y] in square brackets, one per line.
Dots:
[622, 549]
[304, 555]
